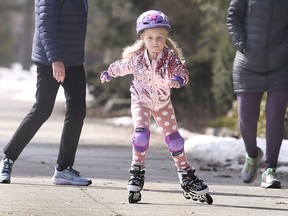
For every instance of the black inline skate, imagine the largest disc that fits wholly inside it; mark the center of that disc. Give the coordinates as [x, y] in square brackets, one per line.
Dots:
[135, 183]
[193, 187]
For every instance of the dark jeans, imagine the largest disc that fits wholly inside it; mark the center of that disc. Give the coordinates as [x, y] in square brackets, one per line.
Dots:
[47, 87]
[249, 111]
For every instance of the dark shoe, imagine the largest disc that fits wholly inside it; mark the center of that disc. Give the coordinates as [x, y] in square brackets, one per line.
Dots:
[191, 183]
[137, 178]
[6, 165]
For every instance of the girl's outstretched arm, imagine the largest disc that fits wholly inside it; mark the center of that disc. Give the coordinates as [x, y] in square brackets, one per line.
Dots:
[105, 77]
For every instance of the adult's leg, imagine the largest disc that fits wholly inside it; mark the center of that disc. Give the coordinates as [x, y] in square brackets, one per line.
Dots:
[46, 92]
[248, 115]
[275, 114]
[75, 92]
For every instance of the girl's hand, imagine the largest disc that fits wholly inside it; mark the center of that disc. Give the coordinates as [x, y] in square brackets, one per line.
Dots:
[58, 71]
[174, 83]
[105, 77]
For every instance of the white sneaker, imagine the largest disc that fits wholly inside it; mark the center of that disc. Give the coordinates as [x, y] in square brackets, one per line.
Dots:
[69, 176]
[269, 179]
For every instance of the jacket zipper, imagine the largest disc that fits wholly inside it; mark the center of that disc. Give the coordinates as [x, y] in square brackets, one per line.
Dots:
[269, 35]
[153, 84]
[86, 5]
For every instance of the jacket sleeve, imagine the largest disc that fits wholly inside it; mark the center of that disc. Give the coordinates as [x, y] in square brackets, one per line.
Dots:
[120, 68]
[177, 69]
[47, 27]
[236, 16]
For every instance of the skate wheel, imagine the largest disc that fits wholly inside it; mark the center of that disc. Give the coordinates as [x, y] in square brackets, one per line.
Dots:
[195, 198]
[209, 199]
[189, 195]
[186, 195]
[202, 199]
[134, 197]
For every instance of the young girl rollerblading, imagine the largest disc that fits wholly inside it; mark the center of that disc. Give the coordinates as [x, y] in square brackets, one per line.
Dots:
[156, 63]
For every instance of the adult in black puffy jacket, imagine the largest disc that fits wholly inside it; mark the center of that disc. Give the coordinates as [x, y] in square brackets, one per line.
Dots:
[259, 32]
[58, 52]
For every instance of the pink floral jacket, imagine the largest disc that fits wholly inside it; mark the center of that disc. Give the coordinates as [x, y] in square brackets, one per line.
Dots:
[150, 83]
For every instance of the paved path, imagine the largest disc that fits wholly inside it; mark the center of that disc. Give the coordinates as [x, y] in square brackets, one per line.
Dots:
[104, 154]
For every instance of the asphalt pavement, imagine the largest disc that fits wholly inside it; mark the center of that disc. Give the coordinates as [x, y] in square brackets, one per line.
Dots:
[104, 155]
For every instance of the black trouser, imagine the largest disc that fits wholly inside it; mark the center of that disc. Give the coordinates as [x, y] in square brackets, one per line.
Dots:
[47, 87]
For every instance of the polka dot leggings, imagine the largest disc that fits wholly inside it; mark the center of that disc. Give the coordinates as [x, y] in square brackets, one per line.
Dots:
[166, 120]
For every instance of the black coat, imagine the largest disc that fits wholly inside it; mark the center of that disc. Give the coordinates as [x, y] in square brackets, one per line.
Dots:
[60, 31]
[259, 32]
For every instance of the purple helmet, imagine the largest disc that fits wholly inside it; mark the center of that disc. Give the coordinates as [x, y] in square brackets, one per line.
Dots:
[152, 19]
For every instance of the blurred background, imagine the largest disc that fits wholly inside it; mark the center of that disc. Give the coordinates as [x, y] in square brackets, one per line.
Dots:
[199, 27]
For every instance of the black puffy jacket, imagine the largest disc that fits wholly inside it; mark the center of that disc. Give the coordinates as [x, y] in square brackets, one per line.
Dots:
[60, 31]
[259, 28]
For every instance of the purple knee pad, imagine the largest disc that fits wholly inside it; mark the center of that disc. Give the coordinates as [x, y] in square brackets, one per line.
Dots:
[140, 139]
[175, 143]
